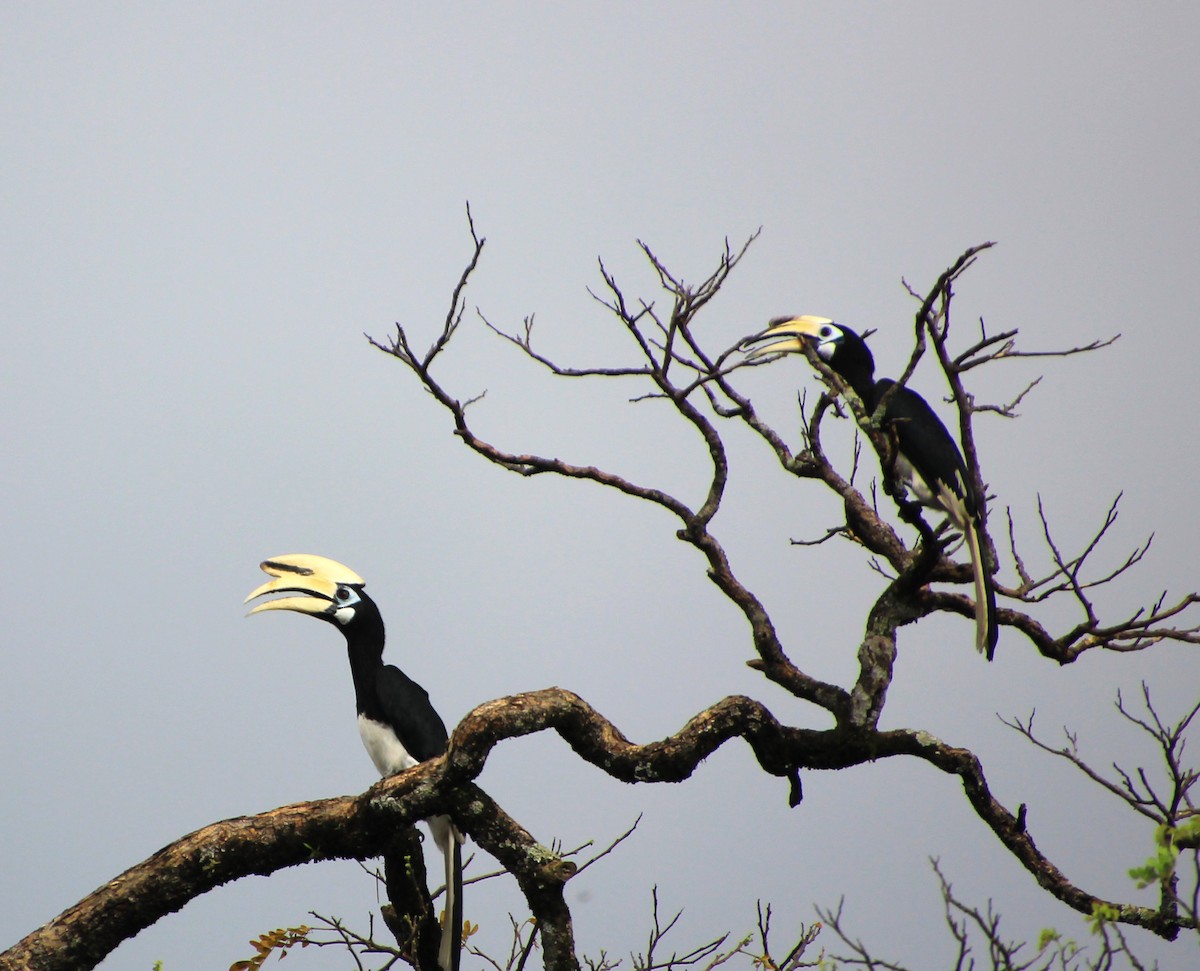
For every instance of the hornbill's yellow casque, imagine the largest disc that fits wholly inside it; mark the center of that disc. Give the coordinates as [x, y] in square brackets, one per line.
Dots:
[398, 725]
[928, 462]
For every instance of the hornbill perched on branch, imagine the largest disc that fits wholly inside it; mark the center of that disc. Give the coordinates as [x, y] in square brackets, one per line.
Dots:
[398, 725]
[927, 462]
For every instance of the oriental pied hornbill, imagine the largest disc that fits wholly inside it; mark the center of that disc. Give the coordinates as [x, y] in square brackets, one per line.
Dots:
[928, 462]
[398, 725]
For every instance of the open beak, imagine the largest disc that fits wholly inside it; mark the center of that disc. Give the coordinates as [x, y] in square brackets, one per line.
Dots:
[315, 578]
[784, 334]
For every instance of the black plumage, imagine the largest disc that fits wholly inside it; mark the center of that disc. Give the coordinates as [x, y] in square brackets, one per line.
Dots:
[382, 692]
[928, 461]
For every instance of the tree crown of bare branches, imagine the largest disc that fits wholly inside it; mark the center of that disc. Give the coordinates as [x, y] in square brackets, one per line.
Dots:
[699, 386]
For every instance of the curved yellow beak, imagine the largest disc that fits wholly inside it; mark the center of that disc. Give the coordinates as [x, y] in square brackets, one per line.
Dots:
[316, 578]
[785, 334]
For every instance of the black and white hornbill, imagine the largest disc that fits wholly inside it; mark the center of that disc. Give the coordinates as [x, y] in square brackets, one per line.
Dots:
[928, 461]
[398, 725]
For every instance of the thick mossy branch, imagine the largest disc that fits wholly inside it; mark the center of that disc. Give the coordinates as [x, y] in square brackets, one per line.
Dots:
[347, 827]
[596, 740]
[363, 826]
[350, 827]
[780, 750]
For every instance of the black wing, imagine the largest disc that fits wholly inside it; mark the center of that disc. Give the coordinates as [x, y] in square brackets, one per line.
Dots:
[927, 444]
[406, 705]
[934, 455]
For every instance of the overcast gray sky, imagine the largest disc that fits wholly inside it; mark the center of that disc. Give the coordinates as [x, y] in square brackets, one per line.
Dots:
[206, 206]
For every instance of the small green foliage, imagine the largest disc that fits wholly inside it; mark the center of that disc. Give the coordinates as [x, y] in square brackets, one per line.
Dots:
[279, 939]
[1160, 867]
[1102, 914]
[1188, 831]
[1156, 869]
[1047, 937]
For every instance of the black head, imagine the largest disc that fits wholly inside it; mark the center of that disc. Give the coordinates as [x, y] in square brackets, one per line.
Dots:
[836, 344]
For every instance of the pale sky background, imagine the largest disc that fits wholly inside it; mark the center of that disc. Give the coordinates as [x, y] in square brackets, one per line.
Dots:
[204, 209]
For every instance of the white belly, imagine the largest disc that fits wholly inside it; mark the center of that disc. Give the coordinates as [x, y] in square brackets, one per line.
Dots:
[914, 483]
[384, 748]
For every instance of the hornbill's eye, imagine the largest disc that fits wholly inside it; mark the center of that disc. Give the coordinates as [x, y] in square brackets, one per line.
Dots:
[826, 332]
[343, 593]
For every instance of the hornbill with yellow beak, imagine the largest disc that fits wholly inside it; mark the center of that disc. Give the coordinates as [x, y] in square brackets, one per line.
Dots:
[398, 725]
[928, 461]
